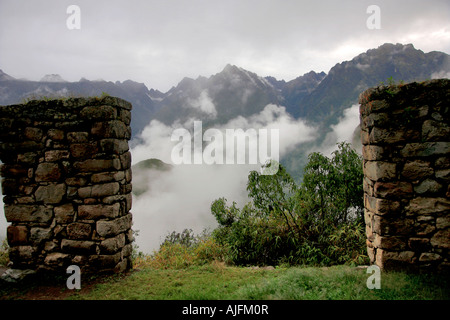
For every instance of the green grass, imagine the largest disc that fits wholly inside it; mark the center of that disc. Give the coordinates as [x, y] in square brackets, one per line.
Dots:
[212, 282]
[215, 281]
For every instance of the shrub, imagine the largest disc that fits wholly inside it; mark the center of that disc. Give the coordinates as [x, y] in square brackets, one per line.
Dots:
[184, 249]
[4, 256]
[319, 222]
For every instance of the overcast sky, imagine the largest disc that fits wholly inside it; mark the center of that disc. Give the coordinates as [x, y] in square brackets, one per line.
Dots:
[159, 42]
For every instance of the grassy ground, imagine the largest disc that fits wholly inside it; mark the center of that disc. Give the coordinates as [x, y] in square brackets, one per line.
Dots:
[216, 281]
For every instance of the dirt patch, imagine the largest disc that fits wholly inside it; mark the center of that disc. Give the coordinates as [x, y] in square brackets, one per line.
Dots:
[2, 270]
[47, 288]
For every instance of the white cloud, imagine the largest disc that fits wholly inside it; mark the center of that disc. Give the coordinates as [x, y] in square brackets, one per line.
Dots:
[203, 103]
[182, 197]
[160, 42]
[343, 131]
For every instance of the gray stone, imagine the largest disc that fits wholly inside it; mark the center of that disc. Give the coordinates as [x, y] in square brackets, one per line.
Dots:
[28, 213]
[51, 194]
[108, 228]
[99, 190]
[17, 275]
[428, 186]
[418, 169]
[380, 170]
[98, 211]
[47, 171]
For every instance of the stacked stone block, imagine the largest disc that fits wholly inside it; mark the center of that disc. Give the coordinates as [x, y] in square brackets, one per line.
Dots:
[66, 181]
[405, 132]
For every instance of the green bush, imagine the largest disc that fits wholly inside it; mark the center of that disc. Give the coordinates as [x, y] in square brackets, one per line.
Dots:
[319, 222]
[184, 249]
[4, 256]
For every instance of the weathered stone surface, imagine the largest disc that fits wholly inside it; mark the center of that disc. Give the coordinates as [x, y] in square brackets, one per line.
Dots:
[77, 137]
[407, 212]
[417, 169]
[116, 146]
[426, 206]
[17, 235]
[66, 172]
[64, 213]
[96, 165]
[389, 136]
[371, 152]
[380, 170]
[443, 175]
[55, 134]
[419, 244]
[78, 230]
[56, 155]
[99, 190]
[105, 261]
[428, 186]
[392, 243]
[99, 112]
[78, 246]
[112, 245]
[393, 190]
[47, 171]
[429, 257]
[443, 222]
[28, 213]
[76, 181]
[425, 149]
[38, 235]
[107, 177]
[27, 157]
[441, 239]
[17, 275]
[57, 259]
[435, 130]
[108, 228]
[50, 194]
[24, 254]
[34, 134]
[442, 163]
[391, 259]
[125, 160]
[98, 211]
[110, 129]
[83, 150]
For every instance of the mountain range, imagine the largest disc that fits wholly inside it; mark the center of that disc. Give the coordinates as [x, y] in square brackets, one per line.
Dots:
[318, 98]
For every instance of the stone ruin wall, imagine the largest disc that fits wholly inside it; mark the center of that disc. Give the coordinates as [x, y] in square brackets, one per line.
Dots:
[405, 135]
[66, 181]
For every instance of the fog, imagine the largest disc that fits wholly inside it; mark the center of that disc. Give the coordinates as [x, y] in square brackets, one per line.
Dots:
[344, 130]
[181, 198]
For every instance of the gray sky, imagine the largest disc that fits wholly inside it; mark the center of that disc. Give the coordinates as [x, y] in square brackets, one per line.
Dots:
[158, 42]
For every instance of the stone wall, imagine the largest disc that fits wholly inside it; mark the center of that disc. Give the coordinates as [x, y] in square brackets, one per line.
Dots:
[405, 135]
[66, 181]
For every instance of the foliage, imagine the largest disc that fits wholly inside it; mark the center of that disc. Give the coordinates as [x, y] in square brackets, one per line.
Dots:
[319, 222]
[4, 257]
[184, 249]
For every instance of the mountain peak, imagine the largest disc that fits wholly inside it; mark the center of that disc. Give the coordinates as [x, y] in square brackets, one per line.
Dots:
[4, 76]
[52, 78]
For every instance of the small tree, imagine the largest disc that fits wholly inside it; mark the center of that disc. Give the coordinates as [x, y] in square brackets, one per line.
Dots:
[332, 187]
[273, 194]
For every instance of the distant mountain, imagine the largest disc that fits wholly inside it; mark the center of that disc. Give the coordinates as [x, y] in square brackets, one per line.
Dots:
[52, 78]
[319, 98]
[346, 80]
[147, 170]
[232, 92]
[316, 97]
[5, 77]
